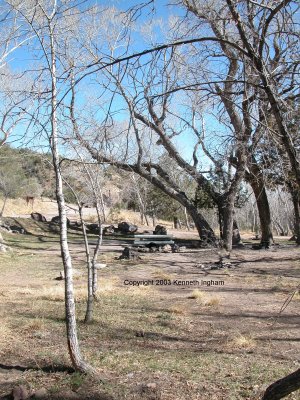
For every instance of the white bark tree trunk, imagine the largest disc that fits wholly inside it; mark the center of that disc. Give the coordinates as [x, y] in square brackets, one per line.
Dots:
[71, 325]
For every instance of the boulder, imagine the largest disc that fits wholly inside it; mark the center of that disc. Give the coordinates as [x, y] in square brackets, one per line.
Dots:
[160, 230]
[20, 393]
[167, 248]
[12, 228]
[5, 226]
[3, 248]
[55, 220]
[109, 230]
[93, 228]
[127, 227]
[40, 394]
[38, 217]
[129, 254]
[17, 229]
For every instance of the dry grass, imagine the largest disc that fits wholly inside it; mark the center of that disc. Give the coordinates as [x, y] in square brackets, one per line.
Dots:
[160, 274]
[205, 299]
[57, 293]
[296, 296]
[178, 308]
[33, 326]
[240, 341]
[213, 302]
[198, 295]
[184, 342]
[5, 334]
[16, 207]
[116, 216]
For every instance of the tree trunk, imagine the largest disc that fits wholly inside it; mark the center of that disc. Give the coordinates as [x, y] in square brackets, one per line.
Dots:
[3, 206]
[255, 179]
[297, 221]
[90, 299]
[236, 237]
[264, 215]
[226, 209]
[176, 222]
[202, 226]
[283, 387]
[296, 203]
[186, 219]
[153, 219]
[72, 339]
[95, 256]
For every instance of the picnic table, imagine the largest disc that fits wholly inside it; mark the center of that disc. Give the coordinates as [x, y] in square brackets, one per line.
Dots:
[157, 240]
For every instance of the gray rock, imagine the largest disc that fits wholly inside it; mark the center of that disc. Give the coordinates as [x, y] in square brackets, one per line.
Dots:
[40, 394]
[38, 217]
[167, 248]
[109, 230]
[93, 228]
[160, 230]
[20, 393]
[69, 395]
[127, 227]
[55, 220]
[129, 254]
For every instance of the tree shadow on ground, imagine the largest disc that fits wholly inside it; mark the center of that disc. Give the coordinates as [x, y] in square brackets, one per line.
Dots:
[84, 393]
[46, 368]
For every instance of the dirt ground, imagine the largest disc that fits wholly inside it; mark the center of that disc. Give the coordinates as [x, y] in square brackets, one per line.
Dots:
[167, 326]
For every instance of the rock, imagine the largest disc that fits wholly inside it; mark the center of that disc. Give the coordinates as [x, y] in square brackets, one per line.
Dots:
[160, 230]
[153, 248]
[12, 228]
[20, 393]
[167, 248]
[293, 238]
[40, 394]
[127, 227]
[55, 220]
[178, 249]
[93, 228]
[38, 217]
[109, 230]
[5, 226]
[3, 248]
[17, 229]
[129, 254]
[142, 249]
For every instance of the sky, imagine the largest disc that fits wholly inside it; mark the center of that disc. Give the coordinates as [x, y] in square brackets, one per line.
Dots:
[22, 59]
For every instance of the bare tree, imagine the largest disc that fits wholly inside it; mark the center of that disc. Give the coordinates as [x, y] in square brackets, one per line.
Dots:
[252, 31]
[47, 21]
[153, 114]
[89, 177]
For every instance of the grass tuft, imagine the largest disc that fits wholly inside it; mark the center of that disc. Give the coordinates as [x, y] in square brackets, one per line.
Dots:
[204, 299]
[241, 342]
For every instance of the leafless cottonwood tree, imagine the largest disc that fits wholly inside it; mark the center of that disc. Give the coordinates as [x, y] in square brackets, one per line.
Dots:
[147, 89]
[48, 22]
[81, 178]
[266, 35]
[14, 89]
